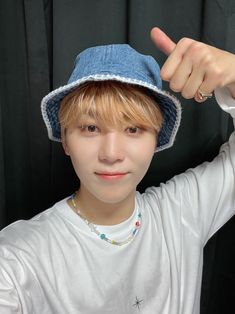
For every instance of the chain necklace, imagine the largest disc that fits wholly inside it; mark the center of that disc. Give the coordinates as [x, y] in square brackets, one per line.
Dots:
[103, 236]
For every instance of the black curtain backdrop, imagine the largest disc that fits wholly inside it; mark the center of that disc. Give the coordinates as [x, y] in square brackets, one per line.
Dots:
[39, 40]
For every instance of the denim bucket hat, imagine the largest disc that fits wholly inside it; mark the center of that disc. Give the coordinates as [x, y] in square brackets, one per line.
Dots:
[122, 63]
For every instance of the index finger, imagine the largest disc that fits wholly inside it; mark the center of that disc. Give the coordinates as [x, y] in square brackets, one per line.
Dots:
[175, 59]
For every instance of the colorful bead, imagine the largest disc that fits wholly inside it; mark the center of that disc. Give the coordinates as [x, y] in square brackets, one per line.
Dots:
[102, 236]
[137, 223]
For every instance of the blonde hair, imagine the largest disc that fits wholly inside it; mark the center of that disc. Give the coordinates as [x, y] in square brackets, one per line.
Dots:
[111, 103]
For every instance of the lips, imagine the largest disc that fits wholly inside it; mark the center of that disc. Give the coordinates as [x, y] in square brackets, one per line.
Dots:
[111, 175]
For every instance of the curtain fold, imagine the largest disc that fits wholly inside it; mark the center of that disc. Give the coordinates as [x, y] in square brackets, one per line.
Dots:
[13, 107]
[24, 80]
[2, 172]
[38, 30]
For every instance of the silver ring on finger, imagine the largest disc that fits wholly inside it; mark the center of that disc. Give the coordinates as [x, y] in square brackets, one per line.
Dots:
[204, 96]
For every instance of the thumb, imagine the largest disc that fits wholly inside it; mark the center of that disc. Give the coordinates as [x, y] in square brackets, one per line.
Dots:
[162, 41]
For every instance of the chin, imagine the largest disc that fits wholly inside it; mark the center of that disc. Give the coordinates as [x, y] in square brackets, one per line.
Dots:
[113, 197]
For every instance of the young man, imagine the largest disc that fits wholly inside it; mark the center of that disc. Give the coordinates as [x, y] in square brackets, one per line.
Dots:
[108, 248]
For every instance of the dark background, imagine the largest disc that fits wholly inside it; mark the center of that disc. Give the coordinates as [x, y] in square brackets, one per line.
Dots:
[39, 40]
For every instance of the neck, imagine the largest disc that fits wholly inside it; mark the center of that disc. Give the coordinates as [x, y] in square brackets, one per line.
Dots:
[101, 213]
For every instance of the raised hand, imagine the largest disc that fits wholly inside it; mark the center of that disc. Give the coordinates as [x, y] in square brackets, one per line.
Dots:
[193, 68]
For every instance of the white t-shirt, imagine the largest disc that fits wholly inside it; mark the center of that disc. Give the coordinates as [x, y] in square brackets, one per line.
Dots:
[54, 264]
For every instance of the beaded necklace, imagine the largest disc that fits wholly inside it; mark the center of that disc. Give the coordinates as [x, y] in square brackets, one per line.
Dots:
[103, 236]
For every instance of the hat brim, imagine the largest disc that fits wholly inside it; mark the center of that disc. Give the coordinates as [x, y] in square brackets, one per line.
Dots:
[169, 106]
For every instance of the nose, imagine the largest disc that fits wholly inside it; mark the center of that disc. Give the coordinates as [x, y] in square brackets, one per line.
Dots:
[112, 147]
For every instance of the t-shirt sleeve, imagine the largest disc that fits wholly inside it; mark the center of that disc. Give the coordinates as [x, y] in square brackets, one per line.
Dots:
[209, 192]
[9, 300]
[14, 298]
[203, 198]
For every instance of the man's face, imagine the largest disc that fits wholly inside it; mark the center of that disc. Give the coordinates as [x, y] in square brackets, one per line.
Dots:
[109, 162]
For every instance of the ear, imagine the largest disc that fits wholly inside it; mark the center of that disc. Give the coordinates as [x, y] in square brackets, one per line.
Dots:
[65, 147]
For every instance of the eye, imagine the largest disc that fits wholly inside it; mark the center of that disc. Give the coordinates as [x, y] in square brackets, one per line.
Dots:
[91, 128]
[133, 130]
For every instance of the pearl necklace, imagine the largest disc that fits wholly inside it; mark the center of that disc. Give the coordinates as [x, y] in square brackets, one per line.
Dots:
[103, 236]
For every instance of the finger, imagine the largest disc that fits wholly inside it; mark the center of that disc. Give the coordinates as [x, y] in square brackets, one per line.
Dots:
[206, 88]
[201, 96]
[181, 75]
[190, 89]
[175, 59]
[162, 41]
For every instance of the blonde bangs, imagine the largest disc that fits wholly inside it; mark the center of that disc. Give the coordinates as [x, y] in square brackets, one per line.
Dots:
[111, 104]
